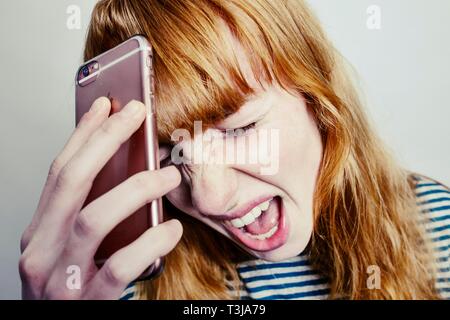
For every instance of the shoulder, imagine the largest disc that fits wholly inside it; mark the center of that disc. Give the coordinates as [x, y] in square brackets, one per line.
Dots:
[433, 200]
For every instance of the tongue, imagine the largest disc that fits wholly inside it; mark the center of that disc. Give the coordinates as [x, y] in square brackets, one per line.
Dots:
[265, 221]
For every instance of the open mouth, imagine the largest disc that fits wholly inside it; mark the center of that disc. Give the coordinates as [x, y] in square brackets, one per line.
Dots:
[263, 228]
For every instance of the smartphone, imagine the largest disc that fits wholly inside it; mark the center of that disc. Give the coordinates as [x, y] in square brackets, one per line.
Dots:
[122, 74]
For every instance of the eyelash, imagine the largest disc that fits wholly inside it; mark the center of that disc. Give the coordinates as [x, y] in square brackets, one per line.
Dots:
[246, 129]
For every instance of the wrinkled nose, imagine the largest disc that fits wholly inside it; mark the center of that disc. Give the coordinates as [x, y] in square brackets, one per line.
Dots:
[213, 189]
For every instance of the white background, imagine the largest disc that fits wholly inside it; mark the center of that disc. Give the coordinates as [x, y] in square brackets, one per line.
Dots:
[404, 69]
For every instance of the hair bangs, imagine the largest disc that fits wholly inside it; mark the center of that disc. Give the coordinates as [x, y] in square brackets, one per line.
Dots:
[198, 76]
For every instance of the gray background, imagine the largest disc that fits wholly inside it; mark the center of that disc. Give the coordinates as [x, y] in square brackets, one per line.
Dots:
[404, 70]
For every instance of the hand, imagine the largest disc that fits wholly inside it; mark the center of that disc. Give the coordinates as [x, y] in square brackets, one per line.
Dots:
[61, 234]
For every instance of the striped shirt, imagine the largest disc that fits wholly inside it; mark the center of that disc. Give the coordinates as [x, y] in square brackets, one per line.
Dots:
[296, 279]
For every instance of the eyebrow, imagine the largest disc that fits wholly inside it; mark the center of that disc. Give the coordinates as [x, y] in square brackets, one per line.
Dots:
[250, 99]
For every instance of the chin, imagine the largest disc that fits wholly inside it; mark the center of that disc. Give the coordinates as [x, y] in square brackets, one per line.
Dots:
[287, 251]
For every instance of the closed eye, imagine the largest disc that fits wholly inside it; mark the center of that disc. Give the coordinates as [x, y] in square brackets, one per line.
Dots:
[239, 131]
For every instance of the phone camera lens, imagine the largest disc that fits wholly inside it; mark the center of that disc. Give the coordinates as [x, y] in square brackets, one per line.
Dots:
[85, 71]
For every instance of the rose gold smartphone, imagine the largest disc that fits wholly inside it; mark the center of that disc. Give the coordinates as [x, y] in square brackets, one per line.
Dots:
[122, 74]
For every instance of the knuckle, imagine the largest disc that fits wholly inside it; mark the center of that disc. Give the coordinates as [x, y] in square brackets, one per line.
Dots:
[109, 127]
[85, 226]
[109, 130]
[124, 119]
[116, 274]
[145, 185]
[114, 125]
[64, 178]
[69, 178]
[142, 181]
[55, 167]
[60, 292]
[31, 269]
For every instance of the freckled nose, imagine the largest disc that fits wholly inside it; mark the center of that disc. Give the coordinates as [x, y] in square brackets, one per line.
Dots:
[213, 189]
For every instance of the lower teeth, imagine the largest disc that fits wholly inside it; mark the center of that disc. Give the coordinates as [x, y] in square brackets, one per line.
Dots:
[263, 236]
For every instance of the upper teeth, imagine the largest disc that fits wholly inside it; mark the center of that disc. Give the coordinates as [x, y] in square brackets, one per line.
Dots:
[251, 216]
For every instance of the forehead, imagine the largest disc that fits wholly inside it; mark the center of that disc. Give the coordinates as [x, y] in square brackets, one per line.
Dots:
[242, 57]
[261, 89]
[214, 82]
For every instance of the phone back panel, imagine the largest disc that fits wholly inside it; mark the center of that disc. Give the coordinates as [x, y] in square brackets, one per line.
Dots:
[124, 74]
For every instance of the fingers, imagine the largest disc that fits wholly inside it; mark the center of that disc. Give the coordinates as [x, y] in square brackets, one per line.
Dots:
[88, 124]
[90, 121]
[128, 263]
[164, 152]
[58, 219]
[75, 178]
[98, 218]
[100, 147]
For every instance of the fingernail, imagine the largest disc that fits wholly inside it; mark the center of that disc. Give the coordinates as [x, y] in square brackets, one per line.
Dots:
[174, 222]
[133, 108]
[99, 105]
[171, 172]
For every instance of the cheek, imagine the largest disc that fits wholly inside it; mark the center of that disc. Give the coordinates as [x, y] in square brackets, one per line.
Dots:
[180, 197]
[300, 147]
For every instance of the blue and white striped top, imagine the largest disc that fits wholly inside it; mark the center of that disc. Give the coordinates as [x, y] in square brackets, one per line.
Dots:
[296, 279]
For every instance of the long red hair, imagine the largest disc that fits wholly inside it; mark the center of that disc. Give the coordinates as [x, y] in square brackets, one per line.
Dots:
[364, 205]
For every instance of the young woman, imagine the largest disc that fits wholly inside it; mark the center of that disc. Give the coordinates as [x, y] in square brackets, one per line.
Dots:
[339, 218]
